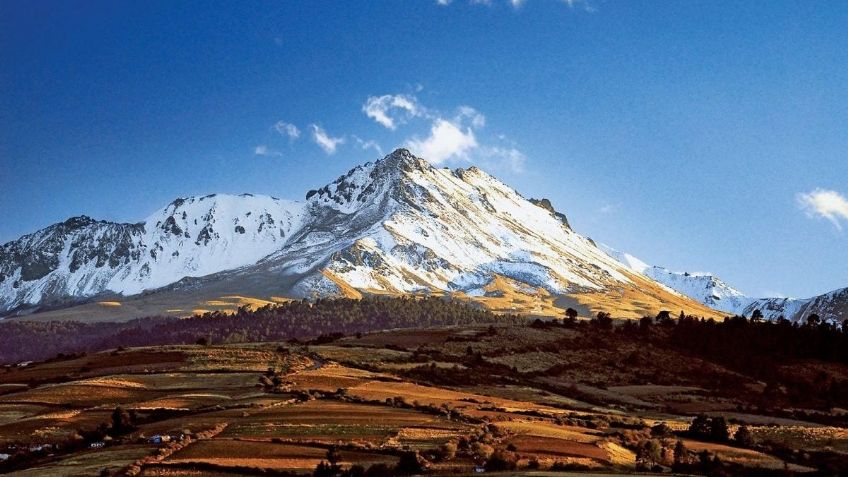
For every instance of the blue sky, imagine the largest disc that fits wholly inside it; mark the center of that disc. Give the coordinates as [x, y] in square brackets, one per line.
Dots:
[703, 136]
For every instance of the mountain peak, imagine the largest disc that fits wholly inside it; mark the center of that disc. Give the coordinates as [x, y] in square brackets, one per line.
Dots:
[400, 160]
[400, 156]
[397, 225]
[367, 181]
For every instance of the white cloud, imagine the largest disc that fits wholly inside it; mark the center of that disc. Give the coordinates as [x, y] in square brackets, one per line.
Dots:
[825, 203]
[287, 130]
[443, 2]
[324, 140]
[263, 150]
[379, 108]
[370, 144]
[450, 137]
[447, 140]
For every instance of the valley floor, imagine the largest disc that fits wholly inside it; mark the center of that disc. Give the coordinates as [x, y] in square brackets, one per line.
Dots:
[517, 399]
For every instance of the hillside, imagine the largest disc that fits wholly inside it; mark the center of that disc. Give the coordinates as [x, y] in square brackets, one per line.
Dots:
[469, 389]
[395, 226]
[713, 292]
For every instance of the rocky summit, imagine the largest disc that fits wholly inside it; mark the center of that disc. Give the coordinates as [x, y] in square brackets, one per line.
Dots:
[394, 226]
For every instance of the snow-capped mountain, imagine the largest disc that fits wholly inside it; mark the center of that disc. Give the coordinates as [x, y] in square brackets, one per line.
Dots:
[704, 287]
[715, 293]
[397, 225]
[189, 237]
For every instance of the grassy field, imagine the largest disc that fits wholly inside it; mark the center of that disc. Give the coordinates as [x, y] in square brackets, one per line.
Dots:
[544, 398]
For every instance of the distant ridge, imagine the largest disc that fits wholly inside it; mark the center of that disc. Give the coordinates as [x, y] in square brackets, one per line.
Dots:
[394, 226]
[715, 293]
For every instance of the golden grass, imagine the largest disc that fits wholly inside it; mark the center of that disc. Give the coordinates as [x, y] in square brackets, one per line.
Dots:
[619, 455]
[745, 457]
[510, 296]
[112, 382]
[549, 429]
[109, 304]
[533, 395]
[76, 394]
[643, 298]
[346, 290]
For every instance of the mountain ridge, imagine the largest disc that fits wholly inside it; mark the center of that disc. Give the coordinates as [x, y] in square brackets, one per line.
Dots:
[715, 293]
[397, 225]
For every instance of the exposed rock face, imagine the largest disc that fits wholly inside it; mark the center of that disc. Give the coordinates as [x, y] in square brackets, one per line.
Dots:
[546, 204]
[397, 225]
[197, 236]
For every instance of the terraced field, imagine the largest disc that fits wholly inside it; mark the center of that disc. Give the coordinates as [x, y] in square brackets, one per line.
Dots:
[455, 398]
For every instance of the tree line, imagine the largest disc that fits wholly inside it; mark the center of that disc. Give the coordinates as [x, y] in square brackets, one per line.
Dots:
[22, 340]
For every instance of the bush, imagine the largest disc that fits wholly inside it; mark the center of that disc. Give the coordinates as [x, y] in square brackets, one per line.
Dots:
[661, 430]
[411, 462]
[447, 451]
[501, 460]
[743, 437]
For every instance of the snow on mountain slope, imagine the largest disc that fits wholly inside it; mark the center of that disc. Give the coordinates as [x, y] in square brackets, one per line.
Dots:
[626, 259]
[190, 237]
[715, 293]
[203, 235]
[703, 287]
[831, 306]
[398, 225]
[402, 226]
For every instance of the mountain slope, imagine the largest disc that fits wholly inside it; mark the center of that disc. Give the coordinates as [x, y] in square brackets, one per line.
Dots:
[394, 226]
[190, 237]
[703, 287]
[715, 293]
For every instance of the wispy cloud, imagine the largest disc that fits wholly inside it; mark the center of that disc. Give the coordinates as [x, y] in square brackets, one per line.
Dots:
[324, 140]
[263, 150]
[369, 144]
[287, 130]
[829, 204]
[381, 108]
